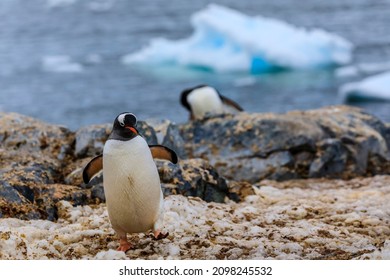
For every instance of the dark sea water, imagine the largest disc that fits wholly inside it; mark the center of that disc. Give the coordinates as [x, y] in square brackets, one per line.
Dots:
[94, 85]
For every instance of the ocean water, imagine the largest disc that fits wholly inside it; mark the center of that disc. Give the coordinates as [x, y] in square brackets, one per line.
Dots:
[60, 60]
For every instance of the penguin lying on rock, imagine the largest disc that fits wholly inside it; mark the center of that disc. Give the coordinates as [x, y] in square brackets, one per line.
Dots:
[131, 181]
[203, 99]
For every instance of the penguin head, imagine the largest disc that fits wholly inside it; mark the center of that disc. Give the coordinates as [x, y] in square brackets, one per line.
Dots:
[124, 127]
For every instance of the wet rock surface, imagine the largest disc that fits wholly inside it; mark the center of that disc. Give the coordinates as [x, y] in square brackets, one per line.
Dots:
[194, 177]
[332, 142]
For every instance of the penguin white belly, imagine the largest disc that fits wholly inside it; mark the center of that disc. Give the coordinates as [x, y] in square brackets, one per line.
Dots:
[205, 100]
[131, 185]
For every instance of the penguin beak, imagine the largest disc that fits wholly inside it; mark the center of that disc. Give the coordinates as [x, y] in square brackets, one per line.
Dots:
[132, 129]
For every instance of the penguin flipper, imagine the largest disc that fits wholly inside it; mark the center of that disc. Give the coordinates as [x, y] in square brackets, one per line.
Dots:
[92, 168]
[231, 103]
[162, 152]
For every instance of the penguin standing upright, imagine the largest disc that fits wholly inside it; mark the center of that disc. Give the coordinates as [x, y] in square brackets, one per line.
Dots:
[131, 181]
[203, 99]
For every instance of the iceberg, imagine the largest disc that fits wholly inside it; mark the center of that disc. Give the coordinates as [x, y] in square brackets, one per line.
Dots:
[226, 40]
[375, 87]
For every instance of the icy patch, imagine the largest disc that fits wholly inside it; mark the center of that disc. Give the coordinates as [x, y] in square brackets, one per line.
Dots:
[61, 63]
[372, 88]
[227, 40]
[382, 254]
[174, 250]
[110, 255]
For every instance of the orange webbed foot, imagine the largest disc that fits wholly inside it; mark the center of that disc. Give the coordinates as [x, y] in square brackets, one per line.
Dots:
[159, 235]
[124, 245]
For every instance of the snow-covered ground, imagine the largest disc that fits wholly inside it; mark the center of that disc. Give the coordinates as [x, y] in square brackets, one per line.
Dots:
[303, 219]
[227, 40]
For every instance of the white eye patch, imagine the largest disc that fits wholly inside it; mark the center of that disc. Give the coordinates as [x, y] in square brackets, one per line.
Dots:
[121, 118]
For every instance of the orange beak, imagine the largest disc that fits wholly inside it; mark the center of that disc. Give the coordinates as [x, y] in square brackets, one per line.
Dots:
[132, 129]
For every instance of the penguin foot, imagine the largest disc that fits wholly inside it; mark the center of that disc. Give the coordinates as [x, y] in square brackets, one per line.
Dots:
[159, 235]
[124, 245]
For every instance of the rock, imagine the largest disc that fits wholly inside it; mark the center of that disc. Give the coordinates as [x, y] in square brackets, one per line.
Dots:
[174, 141]
[21, 133]
[147, 132]
[257, 167]
[97, 193]
[48, 195]
[194, 177]
[14, 205]
[335, 142]
[30, 193]
[238, 191]
[160, 127]
[220, 157]
[90, 140]
[33, 160]
[331, 159]
[168, 134]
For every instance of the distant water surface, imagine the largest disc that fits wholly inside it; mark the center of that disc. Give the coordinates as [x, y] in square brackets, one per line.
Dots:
[60, 60]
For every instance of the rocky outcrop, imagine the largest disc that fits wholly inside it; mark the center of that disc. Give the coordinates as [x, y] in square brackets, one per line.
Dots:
[32, 158]
[333, 142]
[42, 164]
[193, 177]
[221, 158]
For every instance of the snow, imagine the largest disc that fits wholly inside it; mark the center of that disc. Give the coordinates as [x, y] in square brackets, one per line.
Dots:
[61, 63]
[321, 219]
[227, 40]
[110, 255]
[375, 87]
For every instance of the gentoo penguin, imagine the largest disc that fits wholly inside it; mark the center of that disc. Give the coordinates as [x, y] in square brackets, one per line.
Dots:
[131, 181]
[203, 99]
